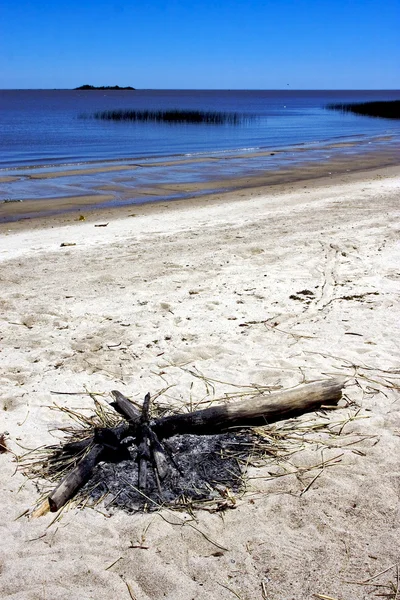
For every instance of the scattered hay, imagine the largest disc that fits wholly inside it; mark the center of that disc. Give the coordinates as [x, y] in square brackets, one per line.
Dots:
[389, 590]
[213, 472]
[209, 471]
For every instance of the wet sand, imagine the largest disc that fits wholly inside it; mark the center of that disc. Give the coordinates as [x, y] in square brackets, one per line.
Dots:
[37, 192]
[36, 214]
[39, 208]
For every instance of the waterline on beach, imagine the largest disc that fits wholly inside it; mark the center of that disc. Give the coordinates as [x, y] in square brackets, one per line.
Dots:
[29, 192]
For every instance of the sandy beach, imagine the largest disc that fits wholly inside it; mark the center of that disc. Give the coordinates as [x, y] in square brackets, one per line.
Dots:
[273, 286]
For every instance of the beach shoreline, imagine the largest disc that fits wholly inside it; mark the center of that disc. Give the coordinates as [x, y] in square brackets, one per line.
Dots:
[39, 192]
[269, 286]
[39, 214]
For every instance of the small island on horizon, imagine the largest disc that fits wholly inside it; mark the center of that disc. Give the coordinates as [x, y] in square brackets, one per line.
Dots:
[103, 87]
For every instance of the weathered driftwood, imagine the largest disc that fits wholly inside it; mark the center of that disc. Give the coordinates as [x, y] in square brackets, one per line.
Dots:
[143, 443]
[75, 479]
[259, 410]
[105, 446]
[256, 411]
[149, 446]
[159, 456]
[124, 407]
[94, 449]
[75, 448]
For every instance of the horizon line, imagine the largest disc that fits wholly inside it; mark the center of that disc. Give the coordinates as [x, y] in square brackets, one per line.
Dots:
[50, 89]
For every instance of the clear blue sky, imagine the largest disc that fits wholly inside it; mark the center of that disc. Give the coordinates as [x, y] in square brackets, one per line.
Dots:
[201, 44]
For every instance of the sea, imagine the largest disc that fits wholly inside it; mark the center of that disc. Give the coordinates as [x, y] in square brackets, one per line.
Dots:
[51, 131]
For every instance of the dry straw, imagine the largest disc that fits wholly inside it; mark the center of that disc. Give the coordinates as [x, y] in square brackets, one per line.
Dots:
[254, 457]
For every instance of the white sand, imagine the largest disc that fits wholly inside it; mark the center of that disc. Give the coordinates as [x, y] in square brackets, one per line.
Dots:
[134, 304]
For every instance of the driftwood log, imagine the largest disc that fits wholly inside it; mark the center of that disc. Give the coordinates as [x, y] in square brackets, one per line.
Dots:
[108, 444]
[75, 479]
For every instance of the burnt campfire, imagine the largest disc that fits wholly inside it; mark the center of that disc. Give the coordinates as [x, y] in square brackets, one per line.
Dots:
[202, 470]
[138, 462]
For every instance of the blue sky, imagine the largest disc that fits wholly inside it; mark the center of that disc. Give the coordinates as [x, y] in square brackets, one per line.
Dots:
[201, 44]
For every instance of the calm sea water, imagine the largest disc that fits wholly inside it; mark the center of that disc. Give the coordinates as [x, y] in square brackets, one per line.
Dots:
[52, 160]
[42, 127]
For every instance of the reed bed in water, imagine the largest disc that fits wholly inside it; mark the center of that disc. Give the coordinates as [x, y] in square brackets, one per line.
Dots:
[388, 109]
[174, 116]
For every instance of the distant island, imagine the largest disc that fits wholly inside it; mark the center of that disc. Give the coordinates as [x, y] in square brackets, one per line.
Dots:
[103, 87]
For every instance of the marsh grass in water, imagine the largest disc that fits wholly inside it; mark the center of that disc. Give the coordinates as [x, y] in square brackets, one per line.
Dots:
[174, 116]
[389, 109]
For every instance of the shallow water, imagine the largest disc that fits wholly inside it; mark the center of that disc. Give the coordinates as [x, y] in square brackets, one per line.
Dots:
[47, 151]
[44, 126]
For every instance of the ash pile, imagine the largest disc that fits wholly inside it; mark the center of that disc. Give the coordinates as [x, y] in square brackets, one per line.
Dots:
[205, 470]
